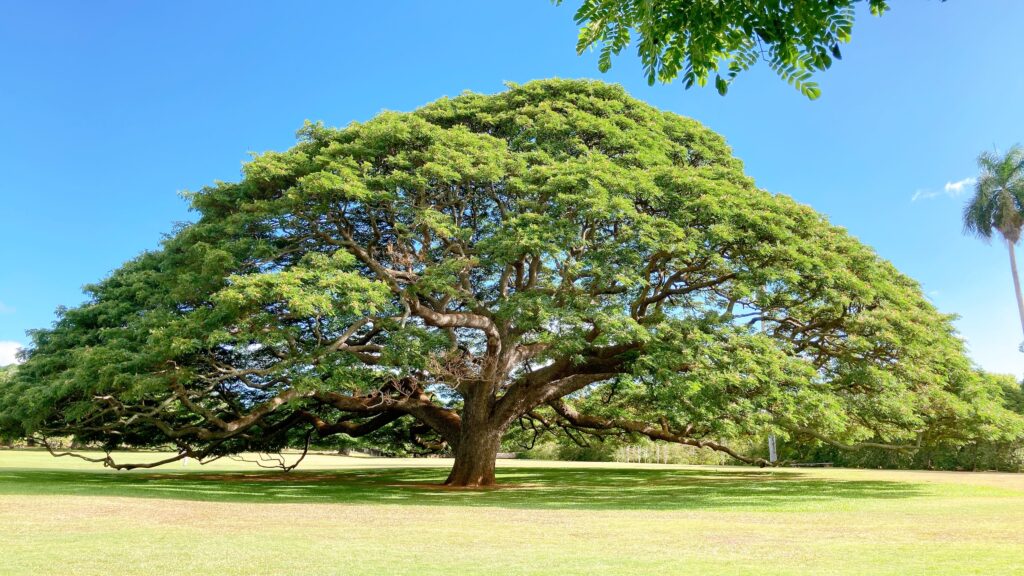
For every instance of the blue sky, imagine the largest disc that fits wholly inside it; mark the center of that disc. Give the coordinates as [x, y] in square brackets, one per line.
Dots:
[109, 109]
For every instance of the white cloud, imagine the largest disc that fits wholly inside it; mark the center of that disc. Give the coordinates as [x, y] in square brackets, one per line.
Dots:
[923, 195]
[7, 351]
[5, 309]
[957, 188]
[951, 189]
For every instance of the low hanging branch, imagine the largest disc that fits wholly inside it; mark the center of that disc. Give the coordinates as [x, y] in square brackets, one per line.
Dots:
[278, 460]
[108, 461]
[663, 433]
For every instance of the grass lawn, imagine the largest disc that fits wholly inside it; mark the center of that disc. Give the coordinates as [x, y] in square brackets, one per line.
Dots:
[340, 515]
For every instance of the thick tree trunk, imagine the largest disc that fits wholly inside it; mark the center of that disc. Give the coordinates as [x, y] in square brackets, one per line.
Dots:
[474, 459]
[1016, 283]
[479, 440]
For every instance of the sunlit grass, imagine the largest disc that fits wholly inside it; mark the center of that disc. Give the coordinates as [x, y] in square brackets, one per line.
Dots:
[339, 515]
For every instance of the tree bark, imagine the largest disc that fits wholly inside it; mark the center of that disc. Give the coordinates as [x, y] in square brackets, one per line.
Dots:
[1016, 284]
[479, 439]
[474, 459]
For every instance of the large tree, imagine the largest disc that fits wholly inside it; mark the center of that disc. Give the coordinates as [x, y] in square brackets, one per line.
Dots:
[558, 257]
[998, 206]
[700, 39]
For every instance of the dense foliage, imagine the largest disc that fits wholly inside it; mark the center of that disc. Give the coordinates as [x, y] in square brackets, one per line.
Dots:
[698, 39]
[1003, 451]
[558, 257]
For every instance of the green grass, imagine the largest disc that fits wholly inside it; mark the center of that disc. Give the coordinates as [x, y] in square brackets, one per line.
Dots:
[340, 515]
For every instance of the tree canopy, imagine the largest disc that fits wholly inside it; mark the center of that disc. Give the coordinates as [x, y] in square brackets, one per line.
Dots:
[558, 257]
[700, 39]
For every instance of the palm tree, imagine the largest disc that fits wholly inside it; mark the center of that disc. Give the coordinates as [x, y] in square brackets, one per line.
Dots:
[998, 204]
